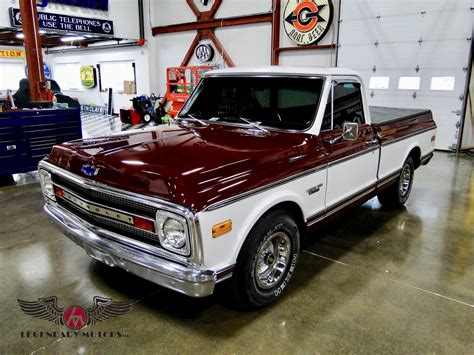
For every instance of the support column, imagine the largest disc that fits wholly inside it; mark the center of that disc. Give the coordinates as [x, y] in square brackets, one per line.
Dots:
[34, 55]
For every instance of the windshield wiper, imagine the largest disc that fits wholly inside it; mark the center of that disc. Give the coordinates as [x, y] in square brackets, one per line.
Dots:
[254, 124]
[194, 118]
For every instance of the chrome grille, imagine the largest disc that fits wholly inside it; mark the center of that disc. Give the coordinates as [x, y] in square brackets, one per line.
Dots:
[115, 226]
[112, 201]
[107, 199]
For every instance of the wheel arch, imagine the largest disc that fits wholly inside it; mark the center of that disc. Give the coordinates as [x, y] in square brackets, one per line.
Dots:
[289, 203]
[414, 151]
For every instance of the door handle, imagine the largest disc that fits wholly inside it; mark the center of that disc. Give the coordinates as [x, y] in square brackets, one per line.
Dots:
[373, 141]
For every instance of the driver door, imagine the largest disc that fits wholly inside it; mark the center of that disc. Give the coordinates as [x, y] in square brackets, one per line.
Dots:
[352, 164]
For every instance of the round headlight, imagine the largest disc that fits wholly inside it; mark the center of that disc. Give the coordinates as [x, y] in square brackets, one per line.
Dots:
[47, 184]
[174, 233]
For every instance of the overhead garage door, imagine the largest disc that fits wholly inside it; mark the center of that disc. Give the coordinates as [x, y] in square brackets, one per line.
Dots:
[411, 54]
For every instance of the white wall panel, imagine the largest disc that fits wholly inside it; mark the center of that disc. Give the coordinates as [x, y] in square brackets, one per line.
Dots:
[397, 26]
[247, 45]
[318, 58]
[168, 12]
[242, 7]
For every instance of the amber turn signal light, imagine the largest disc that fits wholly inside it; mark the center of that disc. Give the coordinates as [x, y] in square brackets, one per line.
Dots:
[433, 138]
[221, 228]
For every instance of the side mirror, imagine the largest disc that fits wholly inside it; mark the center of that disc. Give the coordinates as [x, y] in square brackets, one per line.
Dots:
[351, 131]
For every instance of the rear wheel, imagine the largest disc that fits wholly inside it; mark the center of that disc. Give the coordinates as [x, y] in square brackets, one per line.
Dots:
[266, 261]
[397, 194]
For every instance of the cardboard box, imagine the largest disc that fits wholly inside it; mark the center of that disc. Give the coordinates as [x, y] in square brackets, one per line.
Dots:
[129, 87]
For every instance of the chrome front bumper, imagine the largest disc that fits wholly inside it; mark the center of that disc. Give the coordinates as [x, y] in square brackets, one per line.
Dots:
[189, 280]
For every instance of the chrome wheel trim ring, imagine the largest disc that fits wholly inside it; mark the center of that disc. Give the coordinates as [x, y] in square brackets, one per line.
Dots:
[272, 260]
[405, 180]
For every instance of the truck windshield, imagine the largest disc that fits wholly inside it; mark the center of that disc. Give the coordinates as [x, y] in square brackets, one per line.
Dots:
[275, 102]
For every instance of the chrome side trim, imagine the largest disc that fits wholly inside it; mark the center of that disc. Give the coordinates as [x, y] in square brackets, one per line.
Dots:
[188, 214]
[345, 204]
[258, 190]
[385, 143]
[188, 279]
[263, 188]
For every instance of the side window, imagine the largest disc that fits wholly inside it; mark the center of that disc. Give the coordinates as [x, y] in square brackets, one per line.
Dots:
[347, 106]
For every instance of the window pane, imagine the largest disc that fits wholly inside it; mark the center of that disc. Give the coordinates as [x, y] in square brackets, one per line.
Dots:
[68, 76]
[348, 105]
[445, 83]
[409, 83]
[113, 74]
[286, 103]
[10, 75]
[379, 82]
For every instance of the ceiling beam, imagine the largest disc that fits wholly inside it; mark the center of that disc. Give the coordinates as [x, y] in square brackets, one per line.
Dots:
[213, 23]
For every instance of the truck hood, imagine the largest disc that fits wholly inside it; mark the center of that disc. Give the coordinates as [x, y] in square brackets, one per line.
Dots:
[188, 164]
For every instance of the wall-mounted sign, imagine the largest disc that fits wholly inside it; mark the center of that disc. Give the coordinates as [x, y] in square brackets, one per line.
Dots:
[46, 69]
[66, 23]
[88, 77]
[307, 22]
[93, 109]
[12, 53]
[205, 53]
[88, 4]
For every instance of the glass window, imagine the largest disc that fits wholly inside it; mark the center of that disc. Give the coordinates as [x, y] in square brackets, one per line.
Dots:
[113, 75]
[348, 106]
[68, 76]
[379, 82]
[409, 83]
[10, 75]
[278, 102]
[442, 83]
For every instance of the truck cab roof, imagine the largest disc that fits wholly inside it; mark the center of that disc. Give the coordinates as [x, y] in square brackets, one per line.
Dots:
[283, 70]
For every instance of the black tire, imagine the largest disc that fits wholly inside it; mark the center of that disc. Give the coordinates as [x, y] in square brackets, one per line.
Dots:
[147, 118]
[248, 284]
[397, 194]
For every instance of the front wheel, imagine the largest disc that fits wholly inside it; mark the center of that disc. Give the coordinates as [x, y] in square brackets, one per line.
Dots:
[397, 194]
[267, 261]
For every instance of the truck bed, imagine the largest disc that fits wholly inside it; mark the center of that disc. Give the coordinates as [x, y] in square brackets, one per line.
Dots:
[382, 115]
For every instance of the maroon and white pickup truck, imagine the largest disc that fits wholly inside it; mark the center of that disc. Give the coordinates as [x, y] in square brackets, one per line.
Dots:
[255, 159]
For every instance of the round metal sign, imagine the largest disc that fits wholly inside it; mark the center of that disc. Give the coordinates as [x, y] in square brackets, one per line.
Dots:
[205, 53]
[306, 22]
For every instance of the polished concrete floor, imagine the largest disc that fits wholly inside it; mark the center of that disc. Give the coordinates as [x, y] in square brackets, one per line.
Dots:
[375, 282]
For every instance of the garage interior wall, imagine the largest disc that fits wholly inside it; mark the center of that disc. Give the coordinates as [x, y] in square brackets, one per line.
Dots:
[124, 14]
[247, 45]
[417, 40]
[93, 96]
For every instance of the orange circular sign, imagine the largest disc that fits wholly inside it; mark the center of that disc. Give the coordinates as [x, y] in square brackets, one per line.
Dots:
[308, 21]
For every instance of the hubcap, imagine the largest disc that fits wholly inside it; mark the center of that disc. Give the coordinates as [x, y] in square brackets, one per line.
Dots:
[405, 180]
[272, 260]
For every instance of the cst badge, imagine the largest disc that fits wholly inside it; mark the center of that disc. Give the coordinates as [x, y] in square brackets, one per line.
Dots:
[307, 21]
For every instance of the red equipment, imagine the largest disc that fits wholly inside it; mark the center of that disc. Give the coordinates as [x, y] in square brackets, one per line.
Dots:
[180, 82]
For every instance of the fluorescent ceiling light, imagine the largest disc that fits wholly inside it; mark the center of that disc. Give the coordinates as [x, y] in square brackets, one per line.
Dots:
[72, 39]
[21, 35]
